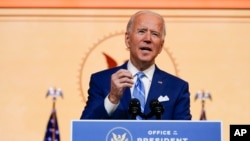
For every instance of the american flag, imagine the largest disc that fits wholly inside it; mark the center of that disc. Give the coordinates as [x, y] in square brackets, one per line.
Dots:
[52, 131]
[203, 115]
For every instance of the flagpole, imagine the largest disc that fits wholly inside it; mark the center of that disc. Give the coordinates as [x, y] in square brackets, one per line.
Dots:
[54, 119]
[54, 93]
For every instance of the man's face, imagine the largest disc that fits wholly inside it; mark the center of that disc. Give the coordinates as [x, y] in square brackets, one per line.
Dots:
[145, 41]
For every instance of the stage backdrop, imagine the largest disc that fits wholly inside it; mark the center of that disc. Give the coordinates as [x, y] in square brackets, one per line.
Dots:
[46, 47]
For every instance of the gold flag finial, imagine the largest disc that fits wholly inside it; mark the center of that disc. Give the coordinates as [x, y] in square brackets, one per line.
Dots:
[203, 95]
[54, 92]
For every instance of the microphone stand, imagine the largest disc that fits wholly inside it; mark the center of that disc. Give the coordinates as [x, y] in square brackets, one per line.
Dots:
[135, 109]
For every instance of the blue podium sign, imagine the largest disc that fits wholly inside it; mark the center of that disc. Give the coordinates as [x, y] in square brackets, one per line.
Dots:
[145, 130]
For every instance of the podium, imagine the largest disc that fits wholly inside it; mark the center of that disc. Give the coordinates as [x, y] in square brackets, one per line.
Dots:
[145, 130]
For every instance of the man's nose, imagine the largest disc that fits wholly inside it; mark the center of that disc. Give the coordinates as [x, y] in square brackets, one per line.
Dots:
[148, 37]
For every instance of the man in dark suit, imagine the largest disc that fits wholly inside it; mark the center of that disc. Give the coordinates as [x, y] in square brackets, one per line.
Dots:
[110, 91]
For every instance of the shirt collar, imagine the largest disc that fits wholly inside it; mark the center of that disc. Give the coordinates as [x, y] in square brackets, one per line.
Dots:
[148, 72]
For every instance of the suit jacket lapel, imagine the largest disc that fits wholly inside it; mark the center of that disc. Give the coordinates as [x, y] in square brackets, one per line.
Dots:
[156, 88]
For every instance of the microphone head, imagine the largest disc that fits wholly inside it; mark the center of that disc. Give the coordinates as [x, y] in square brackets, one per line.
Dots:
[134, 107]
[154, 103]
[156, 107]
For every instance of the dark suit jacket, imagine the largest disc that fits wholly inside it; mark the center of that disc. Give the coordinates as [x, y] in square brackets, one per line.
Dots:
[176, 89]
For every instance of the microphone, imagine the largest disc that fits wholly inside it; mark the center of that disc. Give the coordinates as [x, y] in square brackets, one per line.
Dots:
[134, 108]
[156, 109]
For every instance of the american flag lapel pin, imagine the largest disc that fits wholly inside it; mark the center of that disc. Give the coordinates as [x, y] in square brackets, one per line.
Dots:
[159, 82]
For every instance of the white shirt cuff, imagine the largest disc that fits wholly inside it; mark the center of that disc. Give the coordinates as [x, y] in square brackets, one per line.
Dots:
[110, 107]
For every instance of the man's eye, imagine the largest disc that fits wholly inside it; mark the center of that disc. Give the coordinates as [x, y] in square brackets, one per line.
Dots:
[156, 34]
[141, 31]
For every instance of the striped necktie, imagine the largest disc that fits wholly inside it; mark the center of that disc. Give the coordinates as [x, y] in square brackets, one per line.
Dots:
[139, 91]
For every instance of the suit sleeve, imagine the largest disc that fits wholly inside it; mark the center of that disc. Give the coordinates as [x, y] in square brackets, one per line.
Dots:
[97, 92]
[182, 106]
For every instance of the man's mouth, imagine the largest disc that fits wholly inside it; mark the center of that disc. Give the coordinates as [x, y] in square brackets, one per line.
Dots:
[146, 48]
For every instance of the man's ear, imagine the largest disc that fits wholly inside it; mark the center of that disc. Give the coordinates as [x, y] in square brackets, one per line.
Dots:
[162, 44]
[127, 39]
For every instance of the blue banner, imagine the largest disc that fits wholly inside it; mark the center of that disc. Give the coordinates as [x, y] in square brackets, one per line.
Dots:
[145, 130]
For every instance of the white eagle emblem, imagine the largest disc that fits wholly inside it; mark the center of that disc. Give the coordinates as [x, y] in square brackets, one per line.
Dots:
[119, 137]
